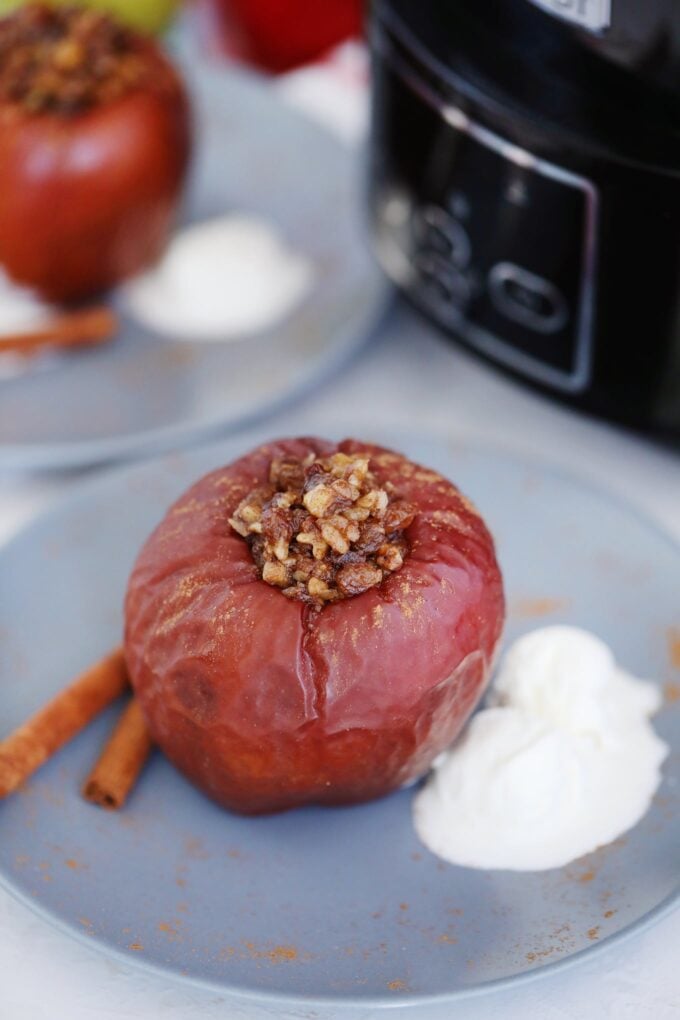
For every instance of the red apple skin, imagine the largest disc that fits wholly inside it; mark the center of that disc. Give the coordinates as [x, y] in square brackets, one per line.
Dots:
[267, 704]
[88, 200]
[282, 34]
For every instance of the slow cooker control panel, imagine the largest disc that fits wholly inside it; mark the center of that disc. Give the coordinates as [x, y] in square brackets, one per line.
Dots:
[495, 243]
[504, 255]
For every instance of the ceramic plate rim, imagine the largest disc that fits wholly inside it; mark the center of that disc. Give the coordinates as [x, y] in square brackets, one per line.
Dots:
[407, 999]
[162, 441]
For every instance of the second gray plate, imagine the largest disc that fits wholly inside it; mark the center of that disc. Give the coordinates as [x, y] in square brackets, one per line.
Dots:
[142, 393]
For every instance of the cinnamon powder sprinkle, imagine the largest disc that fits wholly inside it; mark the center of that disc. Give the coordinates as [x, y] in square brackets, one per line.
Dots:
[281, 953]
[674, 646]
[671, 693]
[527, 608]
[277, 954]
[397, 986]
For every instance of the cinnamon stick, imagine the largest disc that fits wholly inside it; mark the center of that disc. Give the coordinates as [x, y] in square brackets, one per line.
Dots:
[84, 327]
[36, 740]
[121, 761]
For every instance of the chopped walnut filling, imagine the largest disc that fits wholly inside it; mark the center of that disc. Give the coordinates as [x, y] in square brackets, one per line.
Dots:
[65, 60]
[324, 530]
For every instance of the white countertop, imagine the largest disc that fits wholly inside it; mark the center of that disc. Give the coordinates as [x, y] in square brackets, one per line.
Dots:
[407, 376]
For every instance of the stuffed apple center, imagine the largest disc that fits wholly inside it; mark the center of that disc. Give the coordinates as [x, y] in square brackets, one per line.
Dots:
[66, 60]
[324, 529]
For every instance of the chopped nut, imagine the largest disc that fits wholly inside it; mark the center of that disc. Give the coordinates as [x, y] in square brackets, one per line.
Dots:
[354, 469]
[319, 500]
[239, 526]
[283, 499]
[345, 493]
[335, 538]
[319, 590]
[281, 549]
[276, 573]
[339, 533]
[251, 513]
[375, 502]
[324, 529]
[389, 557]
[315, 540]
[357, 513]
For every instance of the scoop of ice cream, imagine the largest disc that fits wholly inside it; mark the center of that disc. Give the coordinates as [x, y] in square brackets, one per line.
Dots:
[568, 678]
[564, 761]
[220, 280]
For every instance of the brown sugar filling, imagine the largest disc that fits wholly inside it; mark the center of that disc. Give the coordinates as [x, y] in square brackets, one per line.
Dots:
[66, 59]
[324, 529]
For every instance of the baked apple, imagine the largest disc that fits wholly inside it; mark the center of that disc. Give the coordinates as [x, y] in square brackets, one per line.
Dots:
[313, 623]
[94, 147]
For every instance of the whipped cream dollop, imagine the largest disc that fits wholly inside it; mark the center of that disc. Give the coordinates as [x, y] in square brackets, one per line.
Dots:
[21, 311]
[562, 761]
[220, 280]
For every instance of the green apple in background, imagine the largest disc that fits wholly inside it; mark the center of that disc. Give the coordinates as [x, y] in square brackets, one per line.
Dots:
[146, 15]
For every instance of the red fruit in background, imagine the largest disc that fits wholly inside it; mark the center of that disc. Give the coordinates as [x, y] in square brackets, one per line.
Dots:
[282, 34]
[266, 703]
[88, 198]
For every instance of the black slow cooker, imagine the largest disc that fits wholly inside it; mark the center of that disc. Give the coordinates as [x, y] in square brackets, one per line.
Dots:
[525, 188]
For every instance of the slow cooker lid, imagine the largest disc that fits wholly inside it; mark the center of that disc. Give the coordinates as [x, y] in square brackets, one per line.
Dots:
[511, 55]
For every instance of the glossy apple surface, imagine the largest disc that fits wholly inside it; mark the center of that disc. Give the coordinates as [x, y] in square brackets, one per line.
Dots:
[266, 703]
[88, 200]
[282, 34]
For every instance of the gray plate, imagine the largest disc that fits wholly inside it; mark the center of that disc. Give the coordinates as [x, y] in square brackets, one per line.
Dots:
[341, 906]
[142, 393]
